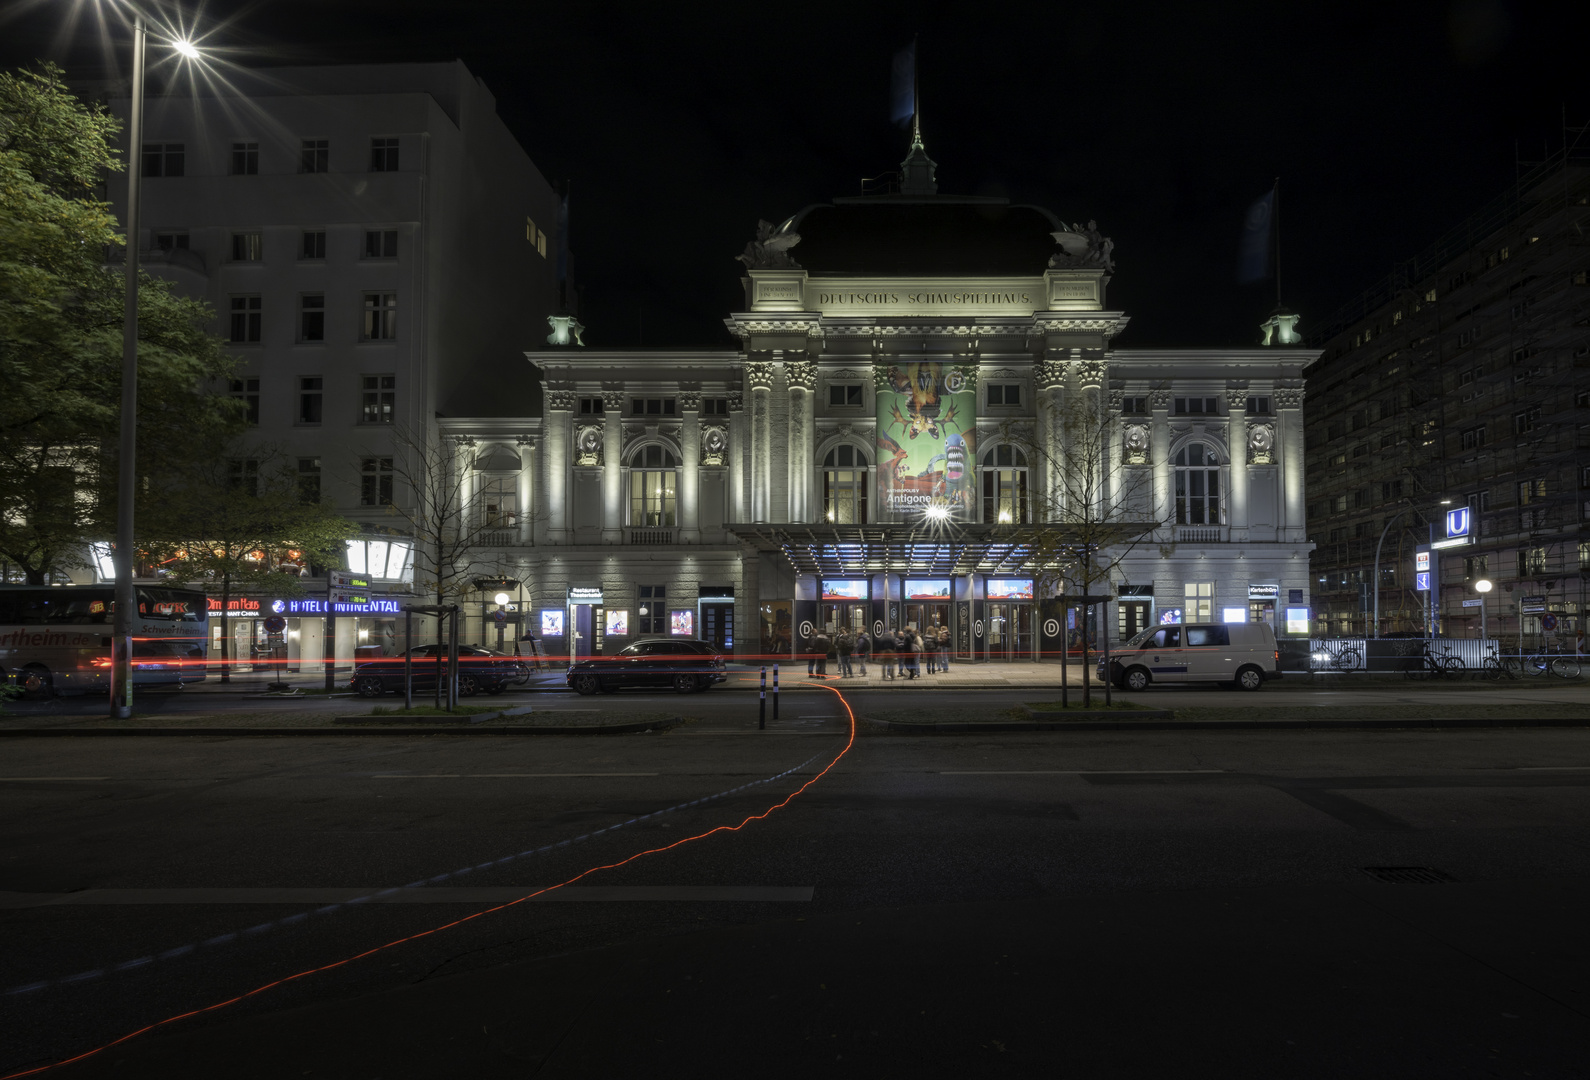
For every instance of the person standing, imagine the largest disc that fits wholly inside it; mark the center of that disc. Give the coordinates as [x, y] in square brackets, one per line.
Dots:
[844, 645]
[825, 645]
[930, 647]
[863, 650]
[885, 650]
[916, 655]
[944, 648]
[811, 653]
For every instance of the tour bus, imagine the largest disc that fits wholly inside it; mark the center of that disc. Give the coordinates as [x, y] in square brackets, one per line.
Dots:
[55, 639]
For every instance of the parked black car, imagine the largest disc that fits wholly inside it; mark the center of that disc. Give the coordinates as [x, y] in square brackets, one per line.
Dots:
[686, 664]
[478, 669]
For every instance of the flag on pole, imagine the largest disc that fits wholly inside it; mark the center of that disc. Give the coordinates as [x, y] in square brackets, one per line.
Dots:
[563, 238]
[1253, 257]
[902, 98]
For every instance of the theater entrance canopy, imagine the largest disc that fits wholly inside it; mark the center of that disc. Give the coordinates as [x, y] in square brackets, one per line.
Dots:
[928, 547]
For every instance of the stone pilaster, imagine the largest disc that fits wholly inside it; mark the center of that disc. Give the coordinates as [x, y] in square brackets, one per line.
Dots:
[555, 482]
[612, 466]
[1289, 452]
[1159, 459]
[690, 468]
[1048, 380]
[801, 376]
[759, 382]
[526, 488]
[1237, 449]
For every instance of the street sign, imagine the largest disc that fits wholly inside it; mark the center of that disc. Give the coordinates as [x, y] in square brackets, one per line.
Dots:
[346, 579]
[275, 624]
[1473, 603]
[499, 617]
[1421, 562]
[1532, 605]
[1457, 522]
[1421, 582]
[1548, 621]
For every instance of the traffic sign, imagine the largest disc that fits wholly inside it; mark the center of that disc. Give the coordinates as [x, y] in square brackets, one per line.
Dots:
[1473, 603]
[346, 579]
[275, 624]
[1421, 562]
[1548, 621]
[1532, 605]
[1421, 582]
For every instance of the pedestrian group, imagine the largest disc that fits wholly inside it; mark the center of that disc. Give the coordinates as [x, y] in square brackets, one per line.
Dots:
[900, 653]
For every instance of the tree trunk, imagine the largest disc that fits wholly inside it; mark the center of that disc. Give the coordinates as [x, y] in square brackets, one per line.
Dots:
[1065, 649]
[1087, 613]
[226, 635]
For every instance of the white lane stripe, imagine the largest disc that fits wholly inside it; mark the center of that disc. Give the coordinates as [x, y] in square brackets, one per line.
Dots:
[503, 775]
[1550, 768]
[1073, 772]
[491, 894]
[23, 779]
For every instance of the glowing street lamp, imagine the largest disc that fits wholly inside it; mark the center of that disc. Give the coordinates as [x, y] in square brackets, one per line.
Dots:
[1483, 586]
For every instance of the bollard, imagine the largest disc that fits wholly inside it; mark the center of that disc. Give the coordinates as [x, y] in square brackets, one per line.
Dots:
[775, 691]
[761, 718]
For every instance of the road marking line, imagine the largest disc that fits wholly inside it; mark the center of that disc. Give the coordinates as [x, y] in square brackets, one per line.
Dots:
[1551, 768]
[22, 779]
[489, 894]
[1072, 772]
[502, 775]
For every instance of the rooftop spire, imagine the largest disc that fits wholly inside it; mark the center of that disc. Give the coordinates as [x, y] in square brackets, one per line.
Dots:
[916, 171]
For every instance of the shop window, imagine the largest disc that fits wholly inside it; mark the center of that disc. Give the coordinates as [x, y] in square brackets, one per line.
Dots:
[1198, 603]
[1005, 486]
[1198, 496]
[653, 487]
[845, 483]
[652, 614]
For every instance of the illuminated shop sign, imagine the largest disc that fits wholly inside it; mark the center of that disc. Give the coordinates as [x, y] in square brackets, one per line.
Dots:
[1264, 592]
[682, 623]
[579, 594]
[854, 589]
[933, 589]
[1009, 588]
[311, 606]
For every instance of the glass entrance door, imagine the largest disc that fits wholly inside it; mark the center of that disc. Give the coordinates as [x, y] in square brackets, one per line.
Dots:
[852, 617]
[1130, 617]
[1010, 632]
[919, 617]
[717, 625]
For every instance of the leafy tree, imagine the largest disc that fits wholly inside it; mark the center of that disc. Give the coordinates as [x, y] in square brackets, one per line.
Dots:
[61, 308]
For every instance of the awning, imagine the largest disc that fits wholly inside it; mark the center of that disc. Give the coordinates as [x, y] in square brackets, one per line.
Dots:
[938, 549]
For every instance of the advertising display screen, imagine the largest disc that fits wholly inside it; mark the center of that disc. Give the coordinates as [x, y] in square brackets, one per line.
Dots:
[928, 589]
[1170, 616]
[927, 420]
[1009, 588]
[682, 623]
[552, 624]
[1297, 620]
[853, 589]
[617, 622]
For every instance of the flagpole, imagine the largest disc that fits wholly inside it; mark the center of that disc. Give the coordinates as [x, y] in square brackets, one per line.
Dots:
[1278, 243]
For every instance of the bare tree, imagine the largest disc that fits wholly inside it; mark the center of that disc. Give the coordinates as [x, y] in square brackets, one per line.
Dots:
[1096, 508]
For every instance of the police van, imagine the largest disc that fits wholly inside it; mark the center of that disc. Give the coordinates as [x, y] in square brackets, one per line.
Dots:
[1243, 655]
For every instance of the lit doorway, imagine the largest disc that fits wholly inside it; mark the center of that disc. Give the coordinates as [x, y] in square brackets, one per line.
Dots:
[717, 623]
[1010, 632]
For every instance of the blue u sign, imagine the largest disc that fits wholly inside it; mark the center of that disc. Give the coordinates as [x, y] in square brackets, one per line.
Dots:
[1457, 522]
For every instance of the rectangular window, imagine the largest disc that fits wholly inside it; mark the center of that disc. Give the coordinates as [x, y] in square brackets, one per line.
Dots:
[1004, 393]
[375, 481]
[164, 159]
[384, 155]
[243, 475]
[1259, 406]
[379, 399]
[309, 479]
[653, 609]
[1134, 406]
[313, 245]
[170, 241]
[247, 315]
[380, 316]
[1473, 438]
[1531, 561]
[1198, 603]
[1531, 491]
[1197, 406]
[590, 406]
[1476, 566]
[1391, 489]
[314, 155]
[499, 501]
[311, 399]
[245, 159]
[652, 406]
[715, 406]
[843, 395]
[247, 247]
[652, 497]
[1525, 421]
[1337, 459]
[312, 317]
[1584, 555]
[380, 243]
[1339, 504]
[246, 391]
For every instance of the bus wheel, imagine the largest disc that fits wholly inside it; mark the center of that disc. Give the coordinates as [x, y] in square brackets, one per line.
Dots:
[36, 683]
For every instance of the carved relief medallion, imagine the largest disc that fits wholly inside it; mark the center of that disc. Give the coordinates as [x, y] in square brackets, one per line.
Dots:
[588, 444]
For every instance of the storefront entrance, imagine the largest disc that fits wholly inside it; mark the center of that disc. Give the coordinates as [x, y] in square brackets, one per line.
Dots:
[717, 624]
[1010, 632]
[920, 617]
[1131, 617]
[852, 617]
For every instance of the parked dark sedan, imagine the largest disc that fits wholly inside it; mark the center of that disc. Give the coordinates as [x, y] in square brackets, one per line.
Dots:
[686, 664]
[478, 669]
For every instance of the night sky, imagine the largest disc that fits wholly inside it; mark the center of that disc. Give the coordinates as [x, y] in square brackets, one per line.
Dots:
[679, 125]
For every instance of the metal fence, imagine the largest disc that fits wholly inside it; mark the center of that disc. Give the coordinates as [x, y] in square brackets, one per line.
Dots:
[1384, 655]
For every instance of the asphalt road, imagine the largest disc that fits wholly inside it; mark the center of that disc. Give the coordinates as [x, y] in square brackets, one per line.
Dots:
[1093, 904]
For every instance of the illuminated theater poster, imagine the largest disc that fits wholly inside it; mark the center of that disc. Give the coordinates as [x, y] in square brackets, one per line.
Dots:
[927, 415]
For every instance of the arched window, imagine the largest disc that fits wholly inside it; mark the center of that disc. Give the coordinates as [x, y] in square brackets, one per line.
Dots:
[1198, 500]
[1005, 486]
[654, 487]
[845, 486]
[497, 487]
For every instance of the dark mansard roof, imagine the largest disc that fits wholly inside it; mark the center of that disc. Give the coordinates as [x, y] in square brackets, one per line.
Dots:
[924, 235]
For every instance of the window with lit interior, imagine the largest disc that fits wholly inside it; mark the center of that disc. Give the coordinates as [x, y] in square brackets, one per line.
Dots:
[845, 481]
[653, 487]
[1005, 486]
[1198, 498]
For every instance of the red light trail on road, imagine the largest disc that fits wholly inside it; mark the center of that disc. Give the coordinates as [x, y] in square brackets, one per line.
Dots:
[306, 973]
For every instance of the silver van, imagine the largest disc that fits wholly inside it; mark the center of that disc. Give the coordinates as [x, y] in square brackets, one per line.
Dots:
[1243, 655]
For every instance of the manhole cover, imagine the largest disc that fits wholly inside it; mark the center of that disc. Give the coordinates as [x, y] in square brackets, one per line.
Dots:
[1408, 875]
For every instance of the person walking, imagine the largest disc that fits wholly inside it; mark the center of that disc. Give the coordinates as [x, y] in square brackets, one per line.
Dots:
[863, 650]
[844, 645]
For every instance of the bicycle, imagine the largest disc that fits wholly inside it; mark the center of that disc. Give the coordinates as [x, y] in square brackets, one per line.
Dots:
[1494, 668]
[1445, 666]
[1343, 658]
[1550, 661]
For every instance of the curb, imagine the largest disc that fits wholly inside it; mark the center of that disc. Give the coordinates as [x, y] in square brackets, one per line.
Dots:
[638, 728]
[465, 718]
[906, 728]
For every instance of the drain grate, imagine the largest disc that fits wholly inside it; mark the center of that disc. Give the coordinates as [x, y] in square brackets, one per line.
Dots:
[1408, 875]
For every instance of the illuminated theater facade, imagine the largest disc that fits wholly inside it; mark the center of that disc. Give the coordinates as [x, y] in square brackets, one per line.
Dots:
[894, 443]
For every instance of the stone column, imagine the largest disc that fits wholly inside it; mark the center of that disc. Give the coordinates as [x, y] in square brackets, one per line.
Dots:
[747, 605]
[462, 482]
[690, 468]
[1237, 445]
[1048, 386]
[738, 510]
[759, 377]
[555, 484]
[527, 491]
[801, 376]
[1091, 374]
[612, 466]
[1289, 452]
[1159, 457]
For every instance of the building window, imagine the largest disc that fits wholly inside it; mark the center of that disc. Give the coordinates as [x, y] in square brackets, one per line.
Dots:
[1004, 393]
[1584, 555]
[1339, 504]
[312, 317]
[311, 399]
[843, 395]
[652, 406]
[1259, 406]
[380, 316]
[1198, 601]
[247, 247]
[246, 391]
[653, 486]
[164, 159]
[247, 316]
[1198, 499]
[314, 156]
[383, 155]
[1134, 406]
[1473, 438]
[1476, 566]
[1197, 406]
[653, 609]
[309, 479]
[1531, 491]
[1531, 561]
[245, 159]
[1005, 486]
[714, 406]
[379, 399]
[1525, 421]
[380, 243]
[1390, 489]
[845, 486]
[499, 502]
[313, 245]
[590, 406]
[170, 241]
[375, 481]
[243, 475]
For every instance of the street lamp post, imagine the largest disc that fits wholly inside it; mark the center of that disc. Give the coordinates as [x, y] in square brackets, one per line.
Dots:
[1483, 586]
[127, 466]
